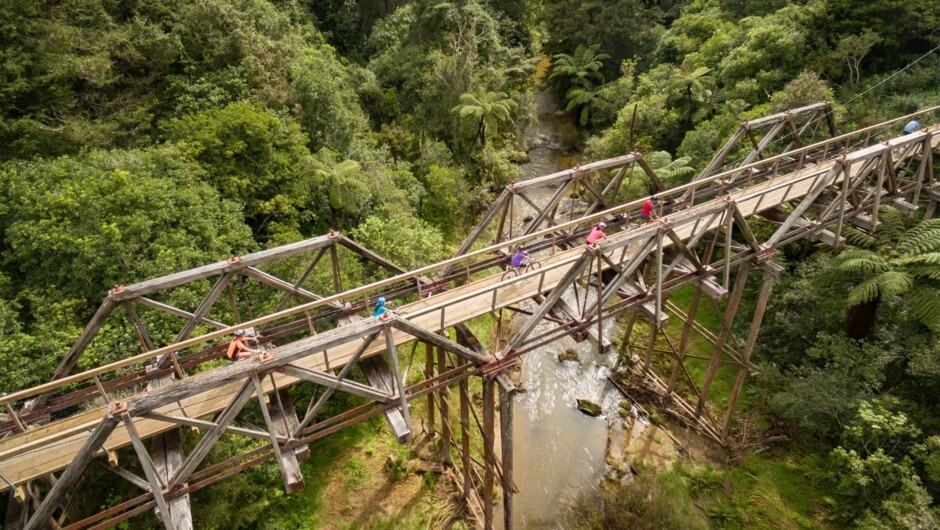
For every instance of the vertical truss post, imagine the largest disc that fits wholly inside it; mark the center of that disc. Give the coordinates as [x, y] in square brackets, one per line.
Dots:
[650, 347]
[167, 451]
[659, 278]
[684, 338]
[286, 461]
[730, 312]
[489, 472]
[729, 227]
[506, 391]
[600, 305]
[399, 384]
[446, 435]
[843, 198]
[428, 374]
[334, 262]
[465, 437]
[874, 209]
[156, 485]
[769, 278]
[921, 173]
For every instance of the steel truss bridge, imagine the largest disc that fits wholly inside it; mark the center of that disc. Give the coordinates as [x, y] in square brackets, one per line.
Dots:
[797, 179]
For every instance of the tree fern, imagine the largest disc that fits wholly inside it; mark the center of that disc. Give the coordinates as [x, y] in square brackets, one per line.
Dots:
[864, 292]
[900, 260]
[894, 283]
[925, 307]
[857, 238]
[892, 226]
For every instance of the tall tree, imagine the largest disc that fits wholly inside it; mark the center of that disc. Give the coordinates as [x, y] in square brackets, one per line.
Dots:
[695, 85]
[488, 109]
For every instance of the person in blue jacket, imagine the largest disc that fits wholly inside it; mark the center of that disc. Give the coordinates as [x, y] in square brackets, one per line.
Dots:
[911, 127]
[380, 307]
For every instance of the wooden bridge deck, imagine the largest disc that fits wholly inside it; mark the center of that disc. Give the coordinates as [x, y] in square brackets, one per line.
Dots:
[47, 448]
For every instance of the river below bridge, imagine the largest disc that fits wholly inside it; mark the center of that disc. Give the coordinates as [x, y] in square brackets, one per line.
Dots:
[558, 451]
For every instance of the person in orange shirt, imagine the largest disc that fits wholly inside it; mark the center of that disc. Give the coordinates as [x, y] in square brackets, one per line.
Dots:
[238, 349]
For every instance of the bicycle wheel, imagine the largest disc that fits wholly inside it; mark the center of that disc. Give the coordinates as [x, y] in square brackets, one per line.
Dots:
[511, 273]
[534, 266]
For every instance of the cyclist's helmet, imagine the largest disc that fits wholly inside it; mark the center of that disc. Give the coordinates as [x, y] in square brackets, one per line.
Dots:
[240, 333]
[602, 224]
[380, 301]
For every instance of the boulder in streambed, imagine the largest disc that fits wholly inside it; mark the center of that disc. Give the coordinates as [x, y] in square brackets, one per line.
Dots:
[589, 407]
[569, 354]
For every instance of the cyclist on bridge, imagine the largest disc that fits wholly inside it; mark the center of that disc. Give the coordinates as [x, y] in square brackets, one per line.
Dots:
[597, 233]
[647, 211]
[521, 260]
[381, 307]
[238, 349]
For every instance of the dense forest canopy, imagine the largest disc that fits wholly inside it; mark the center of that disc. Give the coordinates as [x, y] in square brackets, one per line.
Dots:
[138, 138]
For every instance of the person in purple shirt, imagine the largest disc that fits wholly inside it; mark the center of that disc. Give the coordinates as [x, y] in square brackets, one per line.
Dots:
[521, 260]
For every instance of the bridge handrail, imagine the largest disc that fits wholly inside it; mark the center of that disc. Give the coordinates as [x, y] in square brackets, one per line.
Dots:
[424, 271]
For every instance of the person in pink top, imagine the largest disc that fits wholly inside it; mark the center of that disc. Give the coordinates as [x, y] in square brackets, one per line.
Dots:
[597, 233]
[647, 211]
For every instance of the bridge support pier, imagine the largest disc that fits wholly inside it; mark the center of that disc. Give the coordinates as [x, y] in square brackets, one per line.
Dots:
[489, 464]
[506, 392]
[770, 276]
[167, 451]
[17, 510]
[446, 434]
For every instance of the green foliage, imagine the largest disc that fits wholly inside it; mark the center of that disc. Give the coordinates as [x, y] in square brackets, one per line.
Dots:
[875, 459]
[404, 239]
[486, 110]
[100, 74]
[324, 102]
[581, 69]
[624, 29]
[903, 257]
[74, 227]
[670, 172]
[446, 199]
[250, 156]
[644, 504]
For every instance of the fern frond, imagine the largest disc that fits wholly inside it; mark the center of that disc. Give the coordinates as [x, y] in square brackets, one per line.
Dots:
[920, 242]
[925, 304]
[924, 271]
[857, 238]
[932, 258]
[894, 283]
[864, 292]
[892, 225]
[855, 253]
[860, 260]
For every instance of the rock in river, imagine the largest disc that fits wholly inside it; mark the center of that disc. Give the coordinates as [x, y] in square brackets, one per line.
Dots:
[569, 354]
[589, 407]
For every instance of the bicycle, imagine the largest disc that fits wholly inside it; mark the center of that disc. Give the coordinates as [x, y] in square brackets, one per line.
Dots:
[512, 272]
